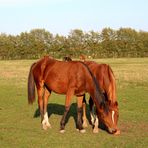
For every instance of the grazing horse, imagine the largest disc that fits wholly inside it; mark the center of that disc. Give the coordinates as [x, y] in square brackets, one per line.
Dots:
[106, 80]
[69, 78]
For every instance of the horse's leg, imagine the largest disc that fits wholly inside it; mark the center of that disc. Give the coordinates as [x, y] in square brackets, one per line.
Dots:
[84, 112]
[79, 114]
[67, 107]
[94, 118]
[91, 107]
[45, 122]
[96, 124]
[40, 101]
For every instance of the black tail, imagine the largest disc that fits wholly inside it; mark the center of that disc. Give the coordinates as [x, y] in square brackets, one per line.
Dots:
[31, 86]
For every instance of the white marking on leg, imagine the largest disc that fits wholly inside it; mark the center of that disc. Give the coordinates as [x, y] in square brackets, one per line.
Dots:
[92, 118]
[113, 113]
[45, 122]
[92, 115]
[84, 122]
[46, 117]
[96, 124]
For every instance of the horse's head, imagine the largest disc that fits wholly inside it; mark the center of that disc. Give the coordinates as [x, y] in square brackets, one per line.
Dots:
[67, 59]
[109, 116]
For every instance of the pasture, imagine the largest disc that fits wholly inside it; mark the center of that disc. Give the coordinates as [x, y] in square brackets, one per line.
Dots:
[20, 123]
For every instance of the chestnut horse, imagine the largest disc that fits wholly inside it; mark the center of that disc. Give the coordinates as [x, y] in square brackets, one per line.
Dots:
[69, 78]
[106, 80]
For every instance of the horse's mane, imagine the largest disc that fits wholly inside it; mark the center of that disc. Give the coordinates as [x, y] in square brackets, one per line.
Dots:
[98, 93]
[112, 83]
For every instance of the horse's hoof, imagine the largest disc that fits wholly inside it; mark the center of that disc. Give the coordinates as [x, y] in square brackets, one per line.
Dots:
[44, 127]
[48, 125]
[82, 131]
[62, 131]
[77, 129]
[85, 125]
[95, 131]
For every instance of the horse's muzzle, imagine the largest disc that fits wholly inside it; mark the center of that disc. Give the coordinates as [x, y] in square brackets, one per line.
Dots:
[112, 130]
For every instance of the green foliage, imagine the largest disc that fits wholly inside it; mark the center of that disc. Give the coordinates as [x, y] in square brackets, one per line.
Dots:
[125, 42]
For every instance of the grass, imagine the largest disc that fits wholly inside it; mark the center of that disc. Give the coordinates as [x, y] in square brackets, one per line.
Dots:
[20, 123]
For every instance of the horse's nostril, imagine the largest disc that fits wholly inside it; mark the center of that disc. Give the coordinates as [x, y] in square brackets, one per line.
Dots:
[112, 130]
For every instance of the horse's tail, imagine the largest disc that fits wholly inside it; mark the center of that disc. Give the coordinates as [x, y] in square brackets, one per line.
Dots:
[31, 86]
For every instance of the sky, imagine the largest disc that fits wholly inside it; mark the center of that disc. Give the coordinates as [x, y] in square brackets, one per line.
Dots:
[62, 16]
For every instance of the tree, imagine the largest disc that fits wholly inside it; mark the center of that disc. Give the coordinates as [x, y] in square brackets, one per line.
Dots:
[108, 42]
[125, 42]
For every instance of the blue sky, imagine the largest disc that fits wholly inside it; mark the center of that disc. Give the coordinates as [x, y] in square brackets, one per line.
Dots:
[61, 16]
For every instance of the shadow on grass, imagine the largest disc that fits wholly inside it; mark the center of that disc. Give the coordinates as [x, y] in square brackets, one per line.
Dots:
[59, 109]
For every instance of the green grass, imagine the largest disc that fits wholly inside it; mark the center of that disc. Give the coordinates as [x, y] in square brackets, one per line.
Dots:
[19, 127]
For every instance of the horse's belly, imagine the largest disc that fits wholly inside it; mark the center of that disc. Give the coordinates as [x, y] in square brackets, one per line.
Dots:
[79, 92]
[59, 90]
[58, 87]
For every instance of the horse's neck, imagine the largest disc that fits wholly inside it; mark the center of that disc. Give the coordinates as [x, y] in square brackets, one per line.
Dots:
[111, 93]
[111, 86]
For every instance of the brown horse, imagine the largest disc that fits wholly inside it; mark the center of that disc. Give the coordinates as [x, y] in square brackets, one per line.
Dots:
[106, 80]
[70, 78]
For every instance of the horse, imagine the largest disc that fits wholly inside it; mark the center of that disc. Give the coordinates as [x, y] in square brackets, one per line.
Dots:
[69, 78]
[106, 80]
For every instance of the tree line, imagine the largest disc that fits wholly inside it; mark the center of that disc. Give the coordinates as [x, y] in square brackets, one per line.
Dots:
[124, 42]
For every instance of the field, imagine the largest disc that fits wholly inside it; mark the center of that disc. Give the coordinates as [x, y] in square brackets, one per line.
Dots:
[20, 122]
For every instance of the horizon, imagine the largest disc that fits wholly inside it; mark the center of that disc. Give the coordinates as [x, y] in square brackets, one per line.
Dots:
[70, 31]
